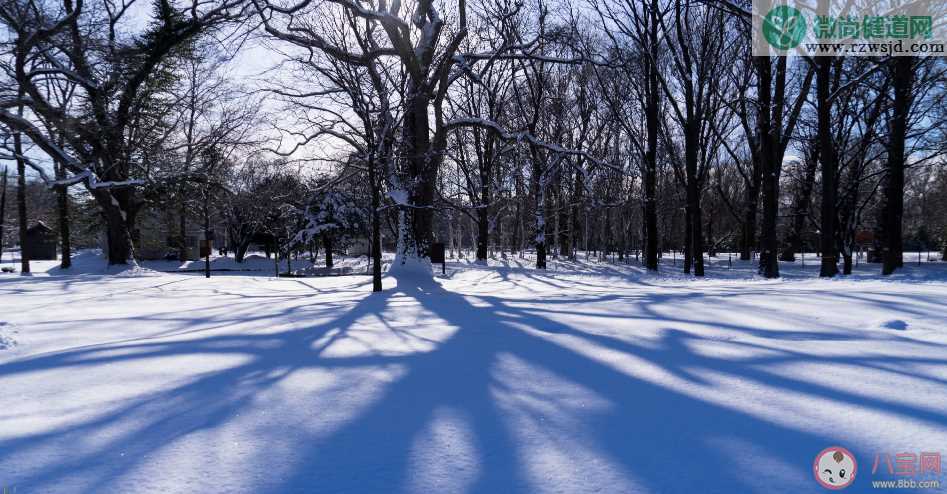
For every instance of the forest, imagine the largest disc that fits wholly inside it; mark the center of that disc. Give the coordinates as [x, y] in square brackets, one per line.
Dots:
[623, 130]
[472, 246]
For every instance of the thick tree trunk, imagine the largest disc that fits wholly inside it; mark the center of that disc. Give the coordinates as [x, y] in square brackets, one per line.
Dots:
[120, 249]
[240, 250]
[483, 233]
[650, 220]
[417, 230]
[902, 75]
[769, 265]
[651, 154]
[829, 248]
[694, 221]
[119, 224]
[697, 235]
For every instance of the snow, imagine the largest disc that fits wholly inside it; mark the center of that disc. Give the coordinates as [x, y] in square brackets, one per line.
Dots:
[589, 377]
[7, 334]
[92, 262]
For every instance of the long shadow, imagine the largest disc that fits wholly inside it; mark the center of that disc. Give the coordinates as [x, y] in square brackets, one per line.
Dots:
[499, 405]
[491, 372]
[155, 420]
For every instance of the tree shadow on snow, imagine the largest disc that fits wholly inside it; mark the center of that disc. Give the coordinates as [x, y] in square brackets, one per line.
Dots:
[499, 405]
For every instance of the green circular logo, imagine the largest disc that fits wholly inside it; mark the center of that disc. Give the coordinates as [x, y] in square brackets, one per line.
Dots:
[784, 27]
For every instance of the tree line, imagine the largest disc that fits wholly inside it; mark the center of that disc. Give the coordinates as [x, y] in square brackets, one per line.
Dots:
[611, 127]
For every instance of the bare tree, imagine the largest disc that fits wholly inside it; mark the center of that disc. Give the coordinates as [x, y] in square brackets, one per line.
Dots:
[117, 78]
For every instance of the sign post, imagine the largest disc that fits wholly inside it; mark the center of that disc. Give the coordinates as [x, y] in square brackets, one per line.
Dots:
[206, 245]
[437, 255]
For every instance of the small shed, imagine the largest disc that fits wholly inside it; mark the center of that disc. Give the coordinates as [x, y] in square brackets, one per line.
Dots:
[40, 243]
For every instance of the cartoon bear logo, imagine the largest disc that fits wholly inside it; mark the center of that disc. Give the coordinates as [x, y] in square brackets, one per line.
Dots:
[835, 468]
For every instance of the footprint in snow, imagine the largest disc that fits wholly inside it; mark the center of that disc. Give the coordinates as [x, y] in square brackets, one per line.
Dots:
[6, 341]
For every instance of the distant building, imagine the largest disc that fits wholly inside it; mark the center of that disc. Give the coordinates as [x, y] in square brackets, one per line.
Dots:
[40, 243]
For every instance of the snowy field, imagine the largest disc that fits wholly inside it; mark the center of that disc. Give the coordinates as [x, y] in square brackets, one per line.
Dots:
[591, 377]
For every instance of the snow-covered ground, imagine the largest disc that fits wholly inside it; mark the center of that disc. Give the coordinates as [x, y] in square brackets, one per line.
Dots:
[90, 262]
[591, 377]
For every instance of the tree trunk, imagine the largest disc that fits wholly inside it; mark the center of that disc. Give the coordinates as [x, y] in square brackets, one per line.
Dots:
[540, 238]
[21, 206]
[902, 75]
[210, 243]
[62, 199]
[697, 253]
[650, 161]
[829, 249]
[182, 228]
[650, 222]
[515, 236]
[540, 211]
[21, 194]
[688, 232]
[695, 244]
[21, 199]
[769, 265]
[240, 250]
[556, 226]
[576, 226]
[483, 233]
[3, 208]
[327, 245]
[376, 228]
[417, 230]
[119, 224]
[847, 262]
